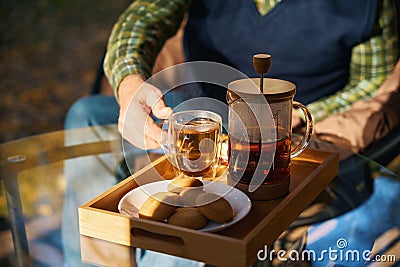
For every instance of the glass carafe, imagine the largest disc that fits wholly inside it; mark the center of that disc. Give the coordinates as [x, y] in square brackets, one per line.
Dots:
[260, 136]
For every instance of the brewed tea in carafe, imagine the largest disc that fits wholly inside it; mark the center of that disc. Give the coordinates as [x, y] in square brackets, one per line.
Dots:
[260, 134]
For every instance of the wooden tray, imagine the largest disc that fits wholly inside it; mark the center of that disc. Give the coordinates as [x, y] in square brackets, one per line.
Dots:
[107, 235]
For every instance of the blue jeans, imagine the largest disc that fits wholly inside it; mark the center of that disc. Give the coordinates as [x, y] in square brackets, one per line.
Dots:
[341, 240]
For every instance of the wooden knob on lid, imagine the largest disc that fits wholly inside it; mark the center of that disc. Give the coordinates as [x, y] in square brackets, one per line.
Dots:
[261, 64]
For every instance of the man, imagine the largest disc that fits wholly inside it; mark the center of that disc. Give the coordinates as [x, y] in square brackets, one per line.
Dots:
[336, 52]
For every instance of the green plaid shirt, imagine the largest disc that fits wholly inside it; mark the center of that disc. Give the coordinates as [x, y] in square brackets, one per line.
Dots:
[141, 30]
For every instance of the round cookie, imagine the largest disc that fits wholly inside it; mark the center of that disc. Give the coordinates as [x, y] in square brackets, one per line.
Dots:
[178, 184]
[188, 217]
[217, 208]
[159, 206]
[189, 196]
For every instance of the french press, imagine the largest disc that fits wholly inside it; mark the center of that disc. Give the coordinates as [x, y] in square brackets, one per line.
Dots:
[260, 133]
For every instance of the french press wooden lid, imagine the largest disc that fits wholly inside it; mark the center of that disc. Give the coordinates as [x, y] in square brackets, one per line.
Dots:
[250, 89]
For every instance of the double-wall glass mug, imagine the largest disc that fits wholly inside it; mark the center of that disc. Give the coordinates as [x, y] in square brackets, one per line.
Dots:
[260, 136]
[191, 142]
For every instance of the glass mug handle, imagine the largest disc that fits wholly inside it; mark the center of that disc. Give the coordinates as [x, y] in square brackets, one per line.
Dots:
[307, 133]
[165, 143]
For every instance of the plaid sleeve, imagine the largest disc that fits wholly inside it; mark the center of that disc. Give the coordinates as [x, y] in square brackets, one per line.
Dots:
[139, 35]
[371, 63]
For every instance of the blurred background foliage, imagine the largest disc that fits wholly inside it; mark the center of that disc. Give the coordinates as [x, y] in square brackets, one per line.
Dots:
[50, 51]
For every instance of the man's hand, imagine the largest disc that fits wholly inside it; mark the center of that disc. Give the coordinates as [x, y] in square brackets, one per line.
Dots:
[137, 100]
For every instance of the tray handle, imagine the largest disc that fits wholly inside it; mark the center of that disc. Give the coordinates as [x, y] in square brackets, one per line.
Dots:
[150, 234]
[140, 235]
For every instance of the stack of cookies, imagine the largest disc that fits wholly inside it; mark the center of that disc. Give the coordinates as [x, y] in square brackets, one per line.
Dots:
[186, 204]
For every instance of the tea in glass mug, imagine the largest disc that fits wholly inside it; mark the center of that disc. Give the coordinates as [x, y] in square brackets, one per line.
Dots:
[192, 142]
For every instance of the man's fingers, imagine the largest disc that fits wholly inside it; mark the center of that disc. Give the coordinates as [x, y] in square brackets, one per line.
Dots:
[152, 131]
[161, 111]
[151, 144]
[157, 104]
[143, 139]
[135, 122]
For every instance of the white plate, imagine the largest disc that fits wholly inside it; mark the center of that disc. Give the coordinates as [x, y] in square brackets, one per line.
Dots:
[240, 202]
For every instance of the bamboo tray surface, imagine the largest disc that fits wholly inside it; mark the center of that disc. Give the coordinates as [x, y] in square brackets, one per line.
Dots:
[237, 245]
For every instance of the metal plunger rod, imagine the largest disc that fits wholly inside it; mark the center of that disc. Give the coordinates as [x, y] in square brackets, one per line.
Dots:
[261, 64]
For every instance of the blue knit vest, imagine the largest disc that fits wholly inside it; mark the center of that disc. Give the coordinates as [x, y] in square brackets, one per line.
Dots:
[310, 41]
